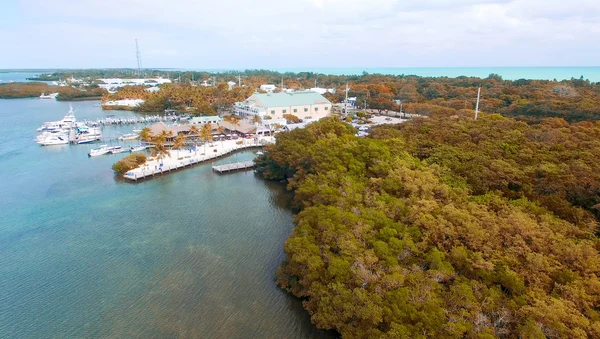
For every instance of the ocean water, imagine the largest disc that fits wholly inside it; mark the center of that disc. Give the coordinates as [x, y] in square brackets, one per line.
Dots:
[6, 77]
[507, 73]
[83, 254]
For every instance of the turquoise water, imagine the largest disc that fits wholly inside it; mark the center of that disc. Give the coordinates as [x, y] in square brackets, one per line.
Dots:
[16, 76]
[191, 254]
[508, 73]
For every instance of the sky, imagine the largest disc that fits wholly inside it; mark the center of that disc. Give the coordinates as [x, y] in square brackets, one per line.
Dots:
[235, 34]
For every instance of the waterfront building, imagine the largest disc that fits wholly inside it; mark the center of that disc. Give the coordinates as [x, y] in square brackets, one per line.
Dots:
[304, 105]
[205, 120]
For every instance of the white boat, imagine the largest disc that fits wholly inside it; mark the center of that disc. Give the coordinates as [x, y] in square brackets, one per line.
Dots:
[86, 135]
[129, 136]
[259, 153]
[116, 150]
[103, 149]
[67, 122]
[53, 140]
[49, 96]
[138, 148]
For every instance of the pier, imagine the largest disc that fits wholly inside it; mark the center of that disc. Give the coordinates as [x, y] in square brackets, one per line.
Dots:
[236, 166]
[180, 159]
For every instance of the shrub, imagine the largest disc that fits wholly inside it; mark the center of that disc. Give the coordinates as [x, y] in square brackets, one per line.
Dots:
[129, 162]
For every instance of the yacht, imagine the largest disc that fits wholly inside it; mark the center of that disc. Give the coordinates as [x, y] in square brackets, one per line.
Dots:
[116, 150]
[103, 149]
[86, 135]
[67, 122]
[137, 148]
[49, 96]
[53, 140]
[259, 153]
[129, 136]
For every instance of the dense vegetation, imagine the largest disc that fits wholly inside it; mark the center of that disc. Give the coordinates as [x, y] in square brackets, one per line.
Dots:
[34, 89]
[129, 162]
[184, 97]
[444, 227]
[529, 100]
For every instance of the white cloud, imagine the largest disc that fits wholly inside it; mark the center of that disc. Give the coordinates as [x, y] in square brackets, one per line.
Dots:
[316, 33]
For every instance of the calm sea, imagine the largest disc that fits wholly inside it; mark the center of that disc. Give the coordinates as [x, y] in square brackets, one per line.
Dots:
[84, 255]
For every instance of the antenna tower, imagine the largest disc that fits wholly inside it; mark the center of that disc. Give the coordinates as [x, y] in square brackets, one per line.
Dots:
[139, 57]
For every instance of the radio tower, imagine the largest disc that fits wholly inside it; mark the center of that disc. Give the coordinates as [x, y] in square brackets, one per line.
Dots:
[139, 58]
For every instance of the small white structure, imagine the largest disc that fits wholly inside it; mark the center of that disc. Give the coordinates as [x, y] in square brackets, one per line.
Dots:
[321, 90]
[231, 84]
[268, 88]
[205, 120]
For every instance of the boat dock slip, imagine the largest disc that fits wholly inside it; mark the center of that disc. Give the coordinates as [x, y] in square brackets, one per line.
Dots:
[179, 159]
[233, 167]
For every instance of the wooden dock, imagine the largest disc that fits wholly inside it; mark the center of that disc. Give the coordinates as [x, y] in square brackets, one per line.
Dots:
[236, 166]
[188, 158]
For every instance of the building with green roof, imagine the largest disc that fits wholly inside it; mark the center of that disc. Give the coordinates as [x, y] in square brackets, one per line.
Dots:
[305, 105]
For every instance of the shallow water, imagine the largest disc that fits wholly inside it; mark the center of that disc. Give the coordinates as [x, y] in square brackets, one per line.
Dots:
[190, 254]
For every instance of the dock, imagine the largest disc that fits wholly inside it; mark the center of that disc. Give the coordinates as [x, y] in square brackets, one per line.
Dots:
[236, 166]
[187, 158]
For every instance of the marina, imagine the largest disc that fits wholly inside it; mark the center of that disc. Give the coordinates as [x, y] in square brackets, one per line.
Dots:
[88, 255]
[179, 159]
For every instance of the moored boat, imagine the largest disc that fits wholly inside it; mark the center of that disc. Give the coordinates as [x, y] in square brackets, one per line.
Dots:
[103, 149]
[116, 150]
[137, 148]
[53, 140]
[129, 136]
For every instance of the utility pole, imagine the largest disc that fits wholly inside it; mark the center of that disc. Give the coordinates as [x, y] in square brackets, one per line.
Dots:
[477, 104]
[346, 101]
[239, 80]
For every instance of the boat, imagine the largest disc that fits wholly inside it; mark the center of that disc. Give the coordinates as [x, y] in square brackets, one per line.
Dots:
[103, 149]
[259, 153]
[67, 122]
[137, 148]
[86, 135]
[116, 150]
[129, 136]
[53, 140]
[49, 96]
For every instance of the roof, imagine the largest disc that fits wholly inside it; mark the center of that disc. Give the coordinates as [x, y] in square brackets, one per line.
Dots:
[288, 99]
[243, 127]
[158, 127]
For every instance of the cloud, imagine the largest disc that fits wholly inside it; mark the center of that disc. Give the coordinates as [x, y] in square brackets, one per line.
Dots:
[308, 33]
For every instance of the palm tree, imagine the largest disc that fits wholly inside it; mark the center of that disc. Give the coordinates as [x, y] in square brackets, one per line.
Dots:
[145, 134]
[233, 119]
[160, 148]
[206, 134]
[221, 131]
[179, 143]
[256, 119]
[195, 131]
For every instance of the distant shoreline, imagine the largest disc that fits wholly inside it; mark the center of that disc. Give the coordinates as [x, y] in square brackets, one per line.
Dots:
[559, 73]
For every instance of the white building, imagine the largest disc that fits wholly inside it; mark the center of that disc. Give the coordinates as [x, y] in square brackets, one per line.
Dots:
[304, 105]
[268, 88]
[110, 83]
[321, 90]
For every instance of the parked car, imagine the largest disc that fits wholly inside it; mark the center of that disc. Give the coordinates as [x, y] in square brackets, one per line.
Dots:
[388, 119]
